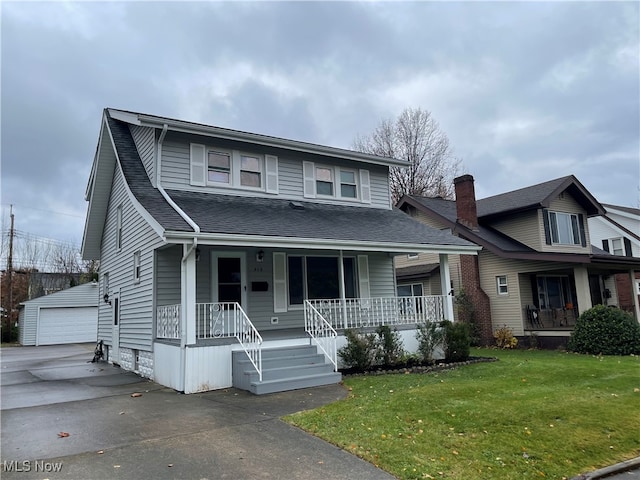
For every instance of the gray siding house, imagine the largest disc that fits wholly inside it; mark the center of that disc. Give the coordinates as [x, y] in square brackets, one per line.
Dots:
[230, 258]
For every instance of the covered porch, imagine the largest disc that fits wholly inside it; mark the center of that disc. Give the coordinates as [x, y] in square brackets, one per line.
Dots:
[552, 300]
[230, 302]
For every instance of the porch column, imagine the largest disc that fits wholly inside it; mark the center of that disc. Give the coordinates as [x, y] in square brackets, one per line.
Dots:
[583, 291]
[342, 290]
[188, 294]
[634, 294]
[445, 286]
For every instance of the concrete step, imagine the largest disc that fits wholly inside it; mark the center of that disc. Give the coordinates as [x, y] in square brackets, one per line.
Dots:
[295, 383]
[289, 371]
[283, 368]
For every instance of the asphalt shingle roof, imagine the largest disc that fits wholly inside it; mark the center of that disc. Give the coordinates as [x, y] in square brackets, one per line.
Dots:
[236, 215]
[447, 210]
[228, 214]
[137, 179]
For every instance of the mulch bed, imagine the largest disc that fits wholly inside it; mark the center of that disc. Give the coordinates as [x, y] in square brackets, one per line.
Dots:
[434, 367]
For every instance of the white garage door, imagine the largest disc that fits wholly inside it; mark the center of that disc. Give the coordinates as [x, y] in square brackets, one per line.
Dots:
[67, 325]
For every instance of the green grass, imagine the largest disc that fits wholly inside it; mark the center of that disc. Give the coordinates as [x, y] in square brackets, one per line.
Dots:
[532, 414]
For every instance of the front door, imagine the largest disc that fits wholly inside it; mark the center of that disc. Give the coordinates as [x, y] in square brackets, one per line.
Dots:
[228, 287]
[114, 353]
[229, 282]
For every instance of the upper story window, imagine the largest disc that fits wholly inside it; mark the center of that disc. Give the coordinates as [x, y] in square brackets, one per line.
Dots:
[336, 182]
[348, 185]
[219, 167]
[136, 267]
[620, 246]
[233, 169]
[250, 171]
[564, 228]
[119, 227]
[324, 181]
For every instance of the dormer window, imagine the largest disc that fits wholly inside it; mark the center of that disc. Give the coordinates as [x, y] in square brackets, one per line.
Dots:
[219, 169]
[324, 181]
[250, 171]
[564, 228]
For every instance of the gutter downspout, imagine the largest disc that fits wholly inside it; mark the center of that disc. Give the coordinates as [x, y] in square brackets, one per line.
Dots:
[194, 244]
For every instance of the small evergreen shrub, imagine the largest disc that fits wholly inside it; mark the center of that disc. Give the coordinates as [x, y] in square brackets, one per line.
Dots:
[606, 331]
[390, 349]
[504, 338]
[467, 314]
[360, 350]
[430, 336]
[457, 339]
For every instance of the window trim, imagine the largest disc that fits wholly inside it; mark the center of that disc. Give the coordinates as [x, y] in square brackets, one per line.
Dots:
[137, 266]
[613, 249]
[355, 184]
[502, 285]
[119, 228]
[574, 224]
[305, 286]
[331, 170]
[262, 172]
[219, 151]
[413, 290]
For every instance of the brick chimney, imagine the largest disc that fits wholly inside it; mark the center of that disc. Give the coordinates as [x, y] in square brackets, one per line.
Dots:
[478, 307]
[466, 201]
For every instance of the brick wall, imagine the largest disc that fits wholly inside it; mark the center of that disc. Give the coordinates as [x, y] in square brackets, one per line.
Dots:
[479, 299]
[625, 291]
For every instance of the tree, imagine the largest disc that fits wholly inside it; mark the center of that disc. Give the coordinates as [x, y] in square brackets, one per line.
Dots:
[415, 136]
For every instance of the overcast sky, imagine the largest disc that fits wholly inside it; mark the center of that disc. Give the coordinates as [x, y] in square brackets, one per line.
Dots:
[526, 92]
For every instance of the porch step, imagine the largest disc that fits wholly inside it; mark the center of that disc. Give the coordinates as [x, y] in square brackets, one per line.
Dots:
[284, 368]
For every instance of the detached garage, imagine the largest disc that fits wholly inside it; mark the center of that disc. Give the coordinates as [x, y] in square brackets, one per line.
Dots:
[67, 316]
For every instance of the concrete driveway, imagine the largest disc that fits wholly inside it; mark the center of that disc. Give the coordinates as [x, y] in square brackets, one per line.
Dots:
[161, 434]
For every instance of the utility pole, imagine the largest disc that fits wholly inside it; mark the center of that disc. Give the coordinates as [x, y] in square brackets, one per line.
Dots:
[10, 275]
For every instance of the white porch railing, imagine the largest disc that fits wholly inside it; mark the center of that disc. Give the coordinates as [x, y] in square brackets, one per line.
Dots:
[321, 332]
[215, 320]
[375, 312]
[168, 321]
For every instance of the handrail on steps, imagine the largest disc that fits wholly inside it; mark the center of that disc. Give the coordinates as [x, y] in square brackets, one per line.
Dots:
[249, 338]
[321, 332]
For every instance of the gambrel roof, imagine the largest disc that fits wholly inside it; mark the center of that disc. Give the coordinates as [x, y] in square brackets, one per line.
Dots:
[252, 221]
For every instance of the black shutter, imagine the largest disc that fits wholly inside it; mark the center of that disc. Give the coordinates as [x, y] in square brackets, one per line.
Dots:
[582, 234]
[547, 228]
[605, 245]
[627, 247]
[534, 290]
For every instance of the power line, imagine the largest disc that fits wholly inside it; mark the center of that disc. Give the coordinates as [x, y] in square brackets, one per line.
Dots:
[46, 211]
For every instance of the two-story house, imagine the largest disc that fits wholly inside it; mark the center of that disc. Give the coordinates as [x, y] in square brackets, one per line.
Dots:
[618, 232]
[233, 258]
[537, 269]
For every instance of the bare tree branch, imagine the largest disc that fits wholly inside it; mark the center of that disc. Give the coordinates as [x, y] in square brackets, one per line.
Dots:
[415, 136]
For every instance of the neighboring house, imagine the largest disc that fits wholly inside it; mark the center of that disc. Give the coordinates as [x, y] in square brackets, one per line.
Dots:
[67, 316]
[216, 246]
[618, 232]
[537, 269]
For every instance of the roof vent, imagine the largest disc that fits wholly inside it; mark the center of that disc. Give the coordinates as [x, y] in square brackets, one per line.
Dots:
[296, 205]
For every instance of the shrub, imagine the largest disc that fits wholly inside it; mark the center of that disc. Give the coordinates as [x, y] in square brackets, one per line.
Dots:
[390, 350]
[360, 350]
[429, 336]
[457, 339]
[607, 331]
[467, 314]
[504, 338]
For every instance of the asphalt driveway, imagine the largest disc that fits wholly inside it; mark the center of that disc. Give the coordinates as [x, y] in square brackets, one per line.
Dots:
[48, 391]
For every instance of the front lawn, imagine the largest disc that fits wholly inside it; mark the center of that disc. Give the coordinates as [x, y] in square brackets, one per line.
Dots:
[532, 414]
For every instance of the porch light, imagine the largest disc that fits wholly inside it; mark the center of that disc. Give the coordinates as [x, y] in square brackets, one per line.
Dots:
[106, 298]
[197, 254]
[260, 256]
